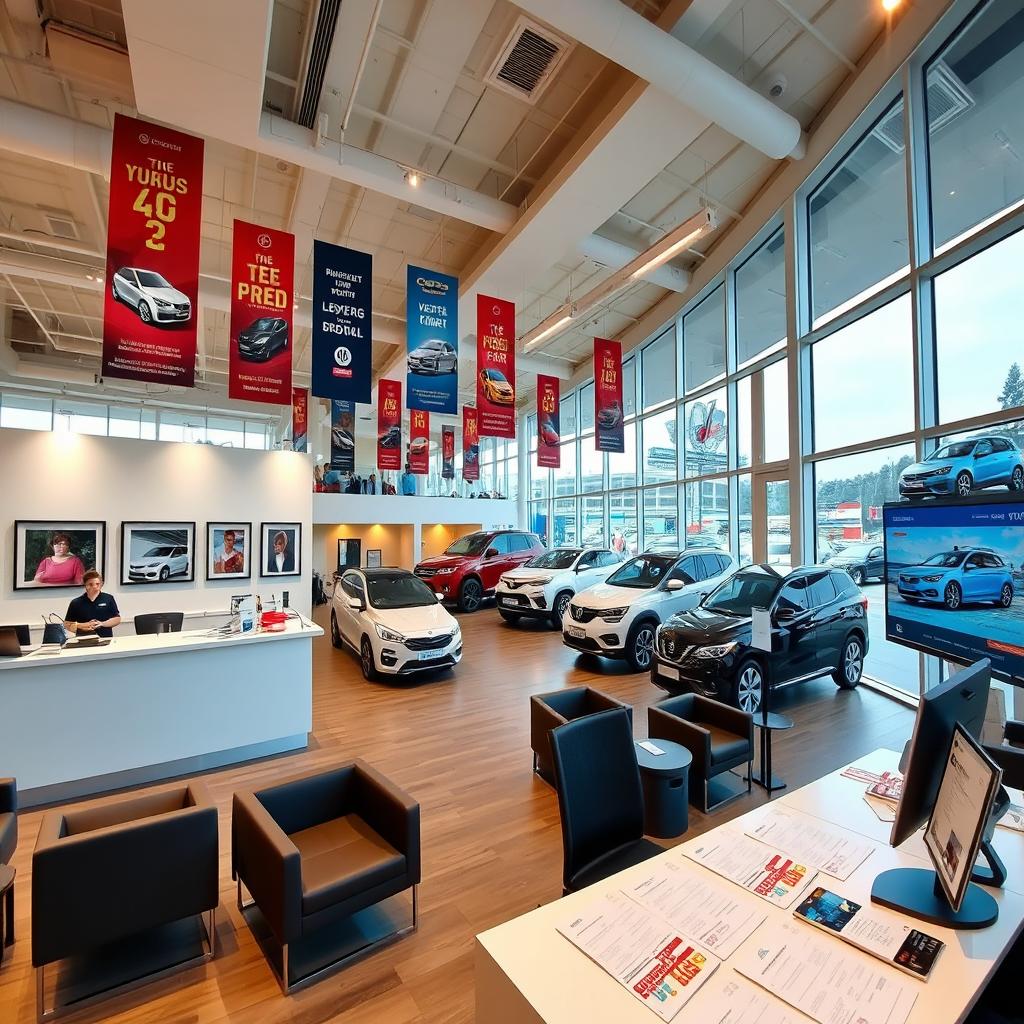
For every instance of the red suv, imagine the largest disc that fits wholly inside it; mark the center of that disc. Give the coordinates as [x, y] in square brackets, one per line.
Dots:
[470, 568]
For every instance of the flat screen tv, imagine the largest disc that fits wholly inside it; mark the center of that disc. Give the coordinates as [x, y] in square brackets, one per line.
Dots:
[955, 580]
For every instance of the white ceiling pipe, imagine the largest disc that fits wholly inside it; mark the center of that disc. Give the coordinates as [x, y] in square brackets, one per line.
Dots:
[615, 255]
[610, 28]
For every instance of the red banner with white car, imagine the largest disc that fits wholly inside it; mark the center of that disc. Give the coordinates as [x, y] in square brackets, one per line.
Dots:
[496, 366]
[470, 444]
[419, 441]
[610, 434]
[389, 424]
[152, 278]
[549, 451]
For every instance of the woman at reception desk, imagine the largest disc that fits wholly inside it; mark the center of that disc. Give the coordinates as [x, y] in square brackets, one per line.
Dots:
[93, 611]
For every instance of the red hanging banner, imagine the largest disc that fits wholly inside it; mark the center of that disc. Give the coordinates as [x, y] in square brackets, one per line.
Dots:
[419, 441]
[496, 366]
[470, 444]
[610, 435]
[262, 294]
[152, 282]
[549, 452]
[448, 453]
[389, 424]
[300, 418]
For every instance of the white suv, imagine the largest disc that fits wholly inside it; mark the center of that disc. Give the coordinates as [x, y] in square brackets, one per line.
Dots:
[617, 618]
[159, 564]
[544, 586]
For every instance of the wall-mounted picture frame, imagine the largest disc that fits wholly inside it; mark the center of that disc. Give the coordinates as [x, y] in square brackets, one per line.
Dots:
[280, 549]
[229, 547]
[373, 558]
[349, 553]
[53, 554]
[157, 552]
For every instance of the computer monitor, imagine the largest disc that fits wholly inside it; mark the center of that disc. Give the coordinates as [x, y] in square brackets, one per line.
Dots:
[23, 633]
[9, 646]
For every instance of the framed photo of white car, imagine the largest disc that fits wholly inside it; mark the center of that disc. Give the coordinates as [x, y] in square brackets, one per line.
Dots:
[228, 551]
[56, 553]
[157, 552]
[280, 549]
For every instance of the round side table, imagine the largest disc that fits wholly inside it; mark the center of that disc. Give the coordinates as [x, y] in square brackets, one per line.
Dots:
[7, 899]
[666, 783]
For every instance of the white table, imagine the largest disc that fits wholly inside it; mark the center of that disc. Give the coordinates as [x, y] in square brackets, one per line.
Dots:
[142, 708]
[527, 973]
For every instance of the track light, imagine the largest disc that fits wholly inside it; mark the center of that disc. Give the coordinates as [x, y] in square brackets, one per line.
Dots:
[413, 178]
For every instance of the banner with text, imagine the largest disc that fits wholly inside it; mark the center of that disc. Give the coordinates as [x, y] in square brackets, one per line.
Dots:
[389, 424]
[432, 337]
[262, 289]
[152, 292]
[470, 444]
[419, 441]
[549, 452]
[342, 322]
[448, 453]
[496, 366]
[343, 435]
[610, 435]
[300, 419]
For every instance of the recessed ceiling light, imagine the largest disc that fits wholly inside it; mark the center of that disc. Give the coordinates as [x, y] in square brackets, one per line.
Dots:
[890, 5]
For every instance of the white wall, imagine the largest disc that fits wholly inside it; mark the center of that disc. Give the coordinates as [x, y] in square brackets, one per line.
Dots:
[52, 476]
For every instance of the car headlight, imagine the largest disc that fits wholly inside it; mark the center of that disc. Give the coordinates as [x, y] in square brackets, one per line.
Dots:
[457, 631]
[445, 572]
[942, 471]
[932, 579]
[163, 304]
[389, 634]
[715, 651]
[614, 614]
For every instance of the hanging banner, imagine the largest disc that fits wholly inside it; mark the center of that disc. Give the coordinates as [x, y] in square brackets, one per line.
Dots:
[419, 441]
[262, 293]
[496, 366]
[448, 453]
[389, 424]
[610, 434]
[300, 419]
[152, 282]
[549, 452]
[342, 322]
[470, 444]
[432, 337]
[343, 436]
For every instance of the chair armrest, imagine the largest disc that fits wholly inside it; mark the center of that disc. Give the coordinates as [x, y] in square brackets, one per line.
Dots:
[1011, 760]
[269, 863]
[391, 812]
[1013, 732]
[543, 718]
[663, 725]
[605, 702]
[726, 717]
[8, 796]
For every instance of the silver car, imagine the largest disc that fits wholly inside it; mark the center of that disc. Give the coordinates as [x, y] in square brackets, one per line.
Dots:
[159, 564]
[434, 356]
[151, 295]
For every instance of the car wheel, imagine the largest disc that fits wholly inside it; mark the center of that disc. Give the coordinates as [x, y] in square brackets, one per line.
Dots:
[561, 606]
[508, 616]
[640, 646]
[165, 573]
[335, 632]
[748, 690]
[113, 292]
[366, 661]
[851, 667]
[455, 366]
[144, 314]
[953, 596]
[857, 575]
[470, 595]
[964, 483]
[1006, 596]
[1017, 479]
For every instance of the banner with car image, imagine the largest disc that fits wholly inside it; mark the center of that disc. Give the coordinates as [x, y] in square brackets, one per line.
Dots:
[419, 441]
[300, 419]
[610, 434]
[549, 440]
[343, 436]
[262, 295]
[152, 276]
[470, 444]
[448, 453]
[389, 424]
[496, 366]
[432, 337]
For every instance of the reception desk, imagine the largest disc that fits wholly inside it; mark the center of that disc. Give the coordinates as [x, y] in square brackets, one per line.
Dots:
[142, 708]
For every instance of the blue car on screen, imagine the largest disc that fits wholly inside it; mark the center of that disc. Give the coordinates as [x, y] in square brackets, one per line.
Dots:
[960, 467]
[958, 577]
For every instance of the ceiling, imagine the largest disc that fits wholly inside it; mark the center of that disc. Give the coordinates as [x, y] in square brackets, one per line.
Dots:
[516, 191]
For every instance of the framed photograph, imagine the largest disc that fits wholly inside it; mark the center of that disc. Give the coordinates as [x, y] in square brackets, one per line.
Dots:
[280, 549]
[349, 552]
[55, 553]
[373, 558]
[158, 553]
[228, 551]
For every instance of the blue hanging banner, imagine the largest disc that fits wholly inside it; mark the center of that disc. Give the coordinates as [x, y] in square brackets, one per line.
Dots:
[432, 337]
[342, 323]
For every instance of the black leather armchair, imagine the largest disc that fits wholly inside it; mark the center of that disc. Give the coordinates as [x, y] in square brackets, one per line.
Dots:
[1009, 755]
[317, 849]
[718, 736]
[550, 710]
[8, 844]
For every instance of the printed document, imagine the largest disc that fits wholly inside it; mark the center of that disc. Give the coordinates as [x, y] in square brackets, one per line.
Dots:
[734, 1000]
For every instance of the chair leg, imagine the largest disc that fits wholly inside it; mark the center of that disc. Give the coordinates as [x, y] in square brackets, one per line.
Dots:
[284, 979]
[750, 775]
[535, 762]
[41, 1013]
[8, 918]
[415, 908]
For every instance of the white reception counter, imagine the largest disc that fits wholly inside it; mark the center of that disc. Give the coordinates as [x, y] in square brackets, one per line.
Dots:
[142, 708]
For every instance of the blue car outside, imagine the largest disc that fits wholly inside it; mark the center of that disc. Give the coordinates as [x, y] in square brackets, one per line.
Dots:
[958, 577]
[961, 467]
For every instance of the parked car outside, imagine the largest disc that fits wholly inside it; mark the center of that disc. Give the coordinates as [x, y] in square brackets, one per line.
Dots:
[159, 564]
[958, 577]
[434, 356]
[263, 338]
[394, 622]
[960, 467]
[151, 295]
[819, 626]
[862, 561]
[496, 387]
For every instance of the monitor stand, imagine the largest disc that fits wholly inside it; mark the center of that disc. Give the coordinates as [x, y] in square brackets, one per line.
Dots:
[993, 875]
[918, 892]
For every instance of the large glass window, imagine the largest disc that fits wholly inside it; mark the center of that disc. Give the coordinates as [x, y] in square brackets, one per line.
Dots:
[661, 518]
[744, 515]
[622, 521]
[704, 341]
[659, 370]
[80, 417]
[563, 527]
[775, 387]
[565, 475]
[586, 394]
[591, 466]
[538, 518]
[707, 434]
[761, 301]
[567, 416]
[629, 387]
[707, 513]
[25, 412]
[659, 441]
[593, 520]
[622, 467]
[744, 424]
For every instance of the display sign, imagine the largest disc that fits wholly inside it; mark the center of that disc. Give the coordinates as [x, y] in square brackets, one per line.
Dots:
[549, 451]
[343, 436]
[262, 293]
[389, 424]
[610, 434]
[300, 419]
[419, 441]
[470, 444]
[496, 366]
[448, 453]
[152, 283]
[432, 336]
[342, 322]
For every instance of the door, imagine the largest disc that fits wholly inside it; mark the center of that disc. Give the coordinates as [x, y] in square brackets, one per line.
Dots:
[691, 572]
[986, 463]
[348, 618]
[792, 616]
[875, 563]
[828, 627]
[492, 568]
[770, 525]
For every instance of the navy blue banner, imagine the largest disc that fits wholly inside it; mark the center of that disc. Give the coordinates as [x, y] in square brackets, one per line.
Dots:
[343, 436]
[432, 336]
[342, 322]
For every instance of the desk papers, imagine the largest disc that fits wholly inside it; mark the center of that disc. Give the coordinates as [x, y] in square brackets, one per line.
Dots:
[641, 952]
[736, 1001]
[829, 848]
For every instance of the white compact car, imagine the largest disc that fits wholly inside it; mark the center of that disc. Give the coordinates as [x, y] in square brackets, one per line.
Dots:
[394, 622]
[159, 564]
[151, 295]
[617, 618]
[544, 586]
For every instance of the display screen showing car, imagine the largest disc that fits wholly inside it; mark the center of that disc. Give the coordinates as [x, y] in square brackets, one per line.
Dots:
[960, 467]
[151, 295]
[496, 387]
[263, 338]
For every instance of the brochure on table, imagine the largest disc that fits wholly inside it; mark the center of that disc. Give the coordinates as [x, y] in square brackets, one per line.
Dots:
[730, 999]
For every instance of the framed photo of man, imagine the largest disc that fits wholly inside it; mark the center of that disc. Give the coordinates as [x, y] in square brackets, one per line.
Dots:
[228, 551]
[157, 552]
[280, 549]
[56, 553]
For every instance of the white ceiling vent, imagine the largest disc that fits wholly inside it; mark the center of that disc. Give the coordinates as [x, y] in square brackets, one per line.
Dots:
[948, 98]
[61, 226]
[527, 60]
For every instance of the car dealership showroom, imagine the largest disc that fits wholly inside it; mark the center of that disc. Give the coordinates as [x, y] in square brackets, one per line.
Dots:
[512, 511]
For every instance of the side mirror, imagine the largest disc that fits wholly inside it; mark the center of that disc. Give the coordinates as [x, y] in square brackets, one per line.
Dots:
[674, 585]
[355, 604]
[490, 552]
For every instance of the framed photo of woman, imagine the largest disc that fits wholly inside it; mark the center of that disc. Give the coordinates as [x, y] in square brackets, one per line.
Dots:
[56, 553]
[281, 549]
[228, 551]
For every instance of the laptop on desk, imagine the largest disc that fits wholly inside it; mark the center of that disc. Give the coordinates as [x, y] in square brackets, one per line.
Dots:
[15, 641]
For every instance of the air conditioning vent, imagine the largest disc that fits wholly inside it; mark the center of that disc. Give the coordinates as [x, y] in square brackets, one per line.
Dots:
[61, 227]
[316, 66]
[528, 60]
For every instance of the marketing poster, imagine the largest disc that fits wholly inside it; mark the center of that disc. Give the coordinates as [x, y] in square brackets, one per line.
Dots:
[549, 451]
[262, 293]
[152, 292]
[300, 419]
[389, 424]
[342, 322]
[419, 441]
[432, 336]
[343, 435]
[470, 444]
[448, 453]
[610, 435]
[496, 366]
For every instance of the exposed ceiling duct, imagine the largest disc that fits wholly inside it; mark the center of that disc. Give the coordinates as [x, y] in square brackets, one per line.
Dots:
[316, 64]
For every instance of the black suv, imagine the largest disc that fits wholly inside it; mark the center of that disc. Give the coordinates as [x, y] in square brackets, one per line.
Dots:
[819, 625]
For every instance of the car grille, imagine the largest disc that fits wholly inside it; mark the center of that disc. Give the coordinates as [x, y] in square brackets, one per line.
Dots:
[582, 614]
[671, 648]
[513, 584]
[423, 572]
[907, 579]
[428, 643]
[907, 477]
[583, 643]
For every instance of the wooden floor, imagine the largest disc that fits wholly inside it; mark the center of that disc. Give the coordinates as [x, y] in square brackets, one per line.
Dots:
[491, 843]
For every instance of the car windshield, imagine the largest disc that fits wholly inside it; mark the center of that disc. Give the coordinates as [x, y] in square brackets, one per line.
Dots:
[433, 346]
[946, 559]
[958, 450]
[158, 552]
[560, 558]
[496, 375]
[151, 279]
[742, 592]
[471, 544]
[265, 323]
[642, 573]
[398, 592]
